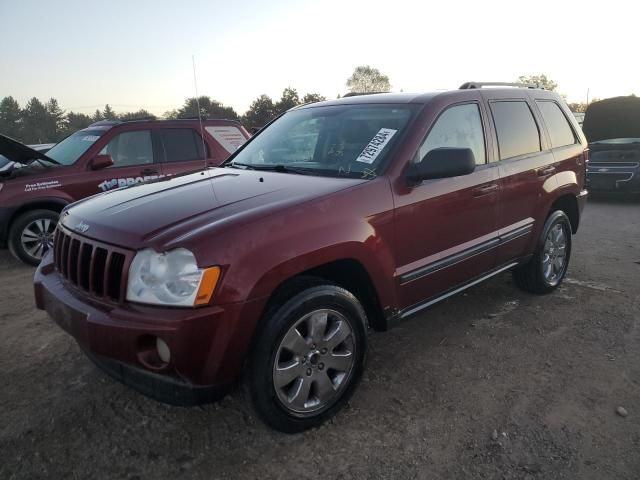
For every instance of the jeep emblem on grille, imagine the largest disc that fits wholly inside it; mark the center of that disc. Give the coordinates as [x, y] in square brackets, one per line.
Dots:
[81, 227]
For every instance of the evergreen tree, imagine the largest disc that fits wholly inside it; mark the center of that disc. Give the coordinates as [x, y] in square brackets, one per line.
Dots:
[97, 117]
[56, 121]
[34, 122]
[108, 113]
[10, 118]
[77, 121]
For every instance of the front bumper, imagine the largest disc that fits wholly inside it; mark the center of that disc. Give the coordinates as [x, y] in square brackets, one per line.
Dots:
[208, 345]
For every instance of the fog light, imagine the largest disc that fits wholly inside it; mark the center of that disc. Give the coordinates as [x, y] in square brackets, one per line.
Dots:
[163, 350]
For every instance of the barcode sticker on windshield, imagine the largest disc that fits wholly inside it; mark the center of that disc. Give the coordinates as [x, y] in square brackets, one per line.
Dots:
[90, 138]
[376, 145]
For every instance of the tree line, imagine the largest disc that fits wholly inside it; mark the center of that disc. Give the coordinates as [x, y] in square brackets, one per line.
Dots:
[47, 122]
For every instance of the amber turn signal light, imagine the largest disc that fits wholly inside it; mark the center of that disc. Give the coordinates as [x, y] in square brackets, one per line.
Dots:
[208, 284]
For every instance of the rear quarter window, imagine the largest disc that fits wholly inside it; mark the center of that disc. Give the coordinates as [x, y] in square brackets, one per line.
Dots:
[516, 128]
[559, 129]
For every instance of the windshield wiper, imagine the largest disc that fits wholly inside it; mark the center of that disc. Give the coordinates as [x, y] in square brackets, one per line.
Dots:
[280, 168]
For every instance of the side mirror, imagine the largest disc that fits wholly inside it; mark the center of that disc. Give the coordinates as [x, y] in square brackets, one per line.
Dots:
[443, 163]
[101, 161]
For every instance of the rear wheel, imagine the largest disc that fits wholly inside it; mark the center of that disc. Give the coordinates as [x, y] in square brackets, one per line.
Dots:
[31, 235]
[309, 358]
[548, 266]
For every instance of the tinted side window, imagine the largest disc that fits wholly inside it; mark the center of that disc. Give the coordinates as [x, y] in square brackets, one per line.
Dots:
[458, 127]
[130, 148]
[559, 129]
[516, 128]
[181, 144]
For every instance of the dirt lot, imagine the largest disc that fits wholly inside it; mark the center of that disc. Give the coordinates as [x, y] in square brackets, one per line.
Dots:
[545, 373]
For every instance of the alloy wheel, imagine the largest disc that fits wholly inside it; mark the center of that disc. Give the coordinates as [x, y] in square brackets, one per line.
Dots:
[37, 237]
[314, 362]
[554, 258]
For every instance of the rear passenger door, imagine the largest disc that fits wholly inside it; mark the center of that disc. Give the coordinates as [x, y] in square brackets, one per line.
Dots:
[182, 150]
[565, 144]
[526, 163]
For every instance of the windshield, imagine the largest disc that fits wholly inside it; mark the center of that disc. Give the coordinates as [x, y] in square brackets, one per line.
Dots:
[69, 150]
[343, 140]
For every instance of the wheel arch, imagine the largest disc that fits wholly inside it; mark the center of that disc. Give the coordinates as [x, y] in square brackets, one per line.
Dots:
[55, 204]
[349, 273]
[568, 203]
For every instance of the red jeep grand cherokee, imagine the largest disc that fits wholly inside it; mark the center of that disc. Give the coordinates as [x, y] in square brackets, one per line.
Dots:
[338, 216]
[35, 187]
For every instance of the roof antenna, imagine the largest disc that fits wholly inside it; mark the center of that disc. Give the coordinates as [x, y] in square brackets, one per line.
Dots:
[204, 147]
[195, 84]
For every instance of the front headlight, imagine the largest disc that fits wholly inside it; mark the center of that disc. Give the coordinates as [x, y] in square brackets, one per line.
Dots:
[171, 278]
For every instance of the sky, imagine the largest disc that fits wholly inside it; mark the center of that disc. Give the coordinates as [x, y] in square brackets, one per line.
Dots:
[138, 54]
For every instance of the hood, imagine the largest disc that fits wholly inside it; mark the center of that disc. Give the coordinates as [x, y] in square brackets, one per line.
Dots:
[14, 154]
[617, 117]
[177, 210]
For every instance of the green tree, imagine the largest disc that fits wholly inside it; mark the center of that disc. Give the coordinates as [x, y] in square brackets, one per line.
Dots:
[10, 118]
[313, 98]
[261, 111]
[366, 79]
[56, 121]
[170, 114]
[108, 113]
[35, 119]
[208, 109]
[142, 113]
[97, 117]
[77, 121]
[540, 81]
[288, 100]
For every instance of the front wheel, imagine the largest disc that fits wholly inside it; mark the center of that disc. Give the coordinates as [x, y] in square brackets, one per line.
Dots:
[308, 359]
[548, 266]
[31, 235]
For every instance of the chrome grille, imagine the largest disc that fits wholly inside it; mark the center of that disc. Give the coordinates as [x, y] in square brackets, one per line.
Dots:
[95, 267]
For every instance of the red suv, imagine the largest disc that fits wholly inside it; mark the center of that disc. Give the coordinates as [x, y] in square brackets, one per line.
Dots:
[336, 217]
[35, 187]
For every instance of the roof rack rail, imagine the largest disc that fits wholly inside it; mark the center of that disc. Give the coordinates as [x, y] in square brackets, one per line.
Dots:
[471, 85]
[357, 94]
[105, 122]
[140, 119]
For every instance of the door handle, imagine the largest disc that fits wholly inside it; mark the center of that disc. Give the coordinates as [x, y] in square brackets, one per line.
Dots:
[149, 171]
[485, 189]
[545, 172]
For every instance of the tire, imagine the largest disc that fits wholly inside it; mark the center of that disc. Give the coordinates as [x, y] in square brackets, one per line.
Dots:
[291, 387]
[31, 235]
[544, 273]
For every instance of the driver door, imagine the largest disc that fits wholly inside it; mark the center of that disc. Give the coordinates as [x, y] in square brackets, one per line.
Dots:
[134, 161]
[446, 228]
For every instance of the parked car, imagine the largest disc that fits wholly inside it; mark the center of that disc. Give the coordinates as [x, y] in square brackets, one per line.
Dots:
[281, 260]
[35, 187]
[612, 127]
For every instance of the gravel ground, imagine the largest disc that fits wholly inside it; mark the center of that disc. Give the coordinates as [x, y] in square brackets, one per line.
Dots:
[493, 383]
